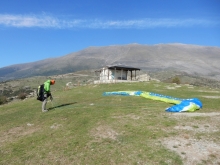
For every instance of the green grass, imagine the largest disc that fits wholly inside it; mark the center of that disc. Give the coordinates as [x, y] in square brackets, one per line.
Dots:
[84, 127]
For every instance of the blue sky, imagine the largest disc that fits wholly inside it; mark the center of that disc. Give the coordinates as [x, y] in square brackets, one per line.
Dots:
[33, 30]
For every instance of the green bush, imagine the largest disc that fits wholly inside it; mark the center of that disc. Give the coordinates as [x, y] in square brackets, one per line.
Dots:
[3, 100]
[7, 92]
[176, 80]
[22, 96]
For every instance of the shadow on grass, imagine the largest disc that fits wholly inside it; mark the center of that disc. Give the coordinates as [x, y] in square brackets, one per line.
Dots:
[62, 105]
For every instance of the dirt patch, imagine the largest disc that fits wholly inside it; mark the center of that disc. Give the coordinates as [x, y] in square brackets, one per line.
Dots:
[198, 142]
[173, 87]
[56, 126]
[200, 128]
[17, 132]
[168, 87]
[194, 151]
[209, 91]
[211, 97]
[104, 132]
[195, 114]
[130, 116]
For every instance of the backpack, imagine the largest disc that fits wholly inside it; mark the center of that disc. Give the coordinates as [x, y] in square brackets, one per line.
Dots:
[40, 93]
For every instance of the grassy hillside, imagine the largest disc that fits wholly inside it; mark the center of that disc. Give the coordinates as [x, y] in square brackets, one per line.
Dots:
[84, 127]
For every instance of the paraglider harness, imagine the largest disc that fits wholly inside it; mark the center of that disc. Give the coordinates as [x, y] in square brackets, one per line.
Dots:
[40, 93]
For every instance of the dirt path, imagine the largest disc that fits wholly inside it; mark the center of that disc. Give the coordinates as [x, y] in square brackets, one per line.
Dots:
[198, 140]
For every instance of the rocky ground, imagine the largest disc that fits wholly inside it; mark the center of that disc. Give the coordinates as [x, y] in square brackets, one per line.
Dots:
[198, 142]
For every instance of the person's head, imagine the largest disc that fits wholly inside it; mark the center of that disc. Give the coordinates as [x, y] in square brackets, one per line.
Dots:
[52, 82]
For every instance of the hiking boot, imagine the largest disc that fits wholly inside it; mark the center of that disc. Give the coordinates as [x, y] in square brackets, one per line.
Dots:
[45, 110]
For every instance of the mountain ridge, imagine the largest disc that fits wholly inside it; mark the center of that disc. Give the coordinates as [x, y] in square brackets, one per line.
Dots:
[192, 59]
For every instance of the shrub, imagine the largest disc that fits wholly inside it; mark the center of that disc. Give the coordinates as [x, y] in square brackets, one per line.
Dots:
[176, 80]
[22, 96]
[7, 92]
[3, 100]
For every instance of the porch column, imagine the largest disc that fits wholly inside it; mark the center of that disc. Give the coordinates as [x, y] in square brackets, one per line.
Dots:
[135, 74]
[115, 75]
[121, 74]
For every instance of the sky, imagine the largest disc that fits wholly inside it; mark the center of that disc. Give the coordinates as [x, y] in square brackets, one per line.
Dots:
[33, 30]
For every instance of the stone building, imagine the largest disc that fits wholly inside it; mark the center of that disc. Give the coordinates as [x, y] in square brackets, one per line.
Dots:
[117, 73]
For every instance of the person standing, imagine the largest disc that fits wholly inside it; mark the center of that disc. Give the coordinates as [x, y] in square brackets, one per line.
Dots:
[47, 93]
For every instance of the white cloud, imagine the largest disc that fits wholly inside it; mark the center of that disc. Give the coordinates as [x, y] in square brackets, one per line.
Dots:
[45, 21]
[28, 21]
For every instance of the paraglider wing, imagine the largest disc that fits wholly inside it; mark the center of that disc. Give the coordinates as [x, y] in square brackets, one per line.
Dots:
[181, 105]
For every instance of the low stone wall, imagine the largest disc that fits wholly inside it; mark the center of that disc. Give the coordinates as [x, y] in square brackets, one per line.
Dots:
[112, 81]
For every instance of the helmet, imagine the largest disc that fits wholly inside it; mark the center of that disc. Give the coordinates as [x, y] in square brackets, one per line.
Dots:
[52, 82]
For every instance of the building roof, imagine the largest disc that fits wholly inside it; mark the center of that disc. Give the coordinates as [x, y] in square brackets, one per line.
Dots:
[122, 67]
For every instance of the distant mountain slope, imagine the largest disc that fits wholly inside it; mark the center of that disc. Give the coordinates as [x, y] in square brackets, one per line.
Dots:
[192, 59]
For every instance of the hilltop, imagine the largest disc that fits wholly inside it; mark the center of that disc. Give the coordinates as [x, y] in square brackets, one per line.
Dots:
[195, 60]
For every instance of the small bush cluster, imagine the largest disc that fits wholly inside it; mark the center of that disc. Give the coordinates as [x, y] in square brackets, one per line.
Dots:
[3, 100]
[22, 96]
[176, 80]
